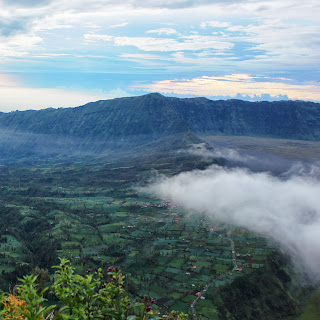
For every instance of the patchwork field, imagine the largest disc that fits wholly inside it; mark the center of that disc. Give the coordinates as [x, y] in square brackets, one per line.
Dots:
[96, 218]
[165, 252]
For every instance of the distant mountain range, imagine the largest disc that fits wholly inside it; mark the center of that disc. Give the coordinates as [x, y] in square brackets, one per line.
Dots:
[125, 123]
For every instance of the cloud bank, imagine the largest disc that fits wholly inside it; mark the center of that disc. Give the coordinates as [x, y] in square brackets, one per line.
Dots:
[201, 150]
[190, 41]
[234, 84]
[287, 210]
[256, 162]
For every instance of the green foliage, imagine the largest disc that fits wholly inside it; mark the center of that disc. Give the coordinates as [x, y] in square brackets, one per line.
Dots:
[27, 303]
[27, 292]
[312, 308]
[174, 315]
[89, 297]
[267, 293]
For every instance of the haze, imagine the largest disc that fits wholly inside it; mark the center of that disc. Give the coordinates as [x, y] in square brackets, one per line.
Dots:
[285, 209]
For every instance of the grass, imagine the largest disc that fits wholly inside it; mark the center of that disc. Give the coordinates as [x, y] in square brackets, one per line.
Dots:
[311, 311]
[180, 306]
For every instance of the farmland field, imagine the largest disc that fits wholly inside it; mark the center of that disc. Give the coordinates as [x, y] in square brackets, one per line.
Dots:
[95, 217]
[164, 251]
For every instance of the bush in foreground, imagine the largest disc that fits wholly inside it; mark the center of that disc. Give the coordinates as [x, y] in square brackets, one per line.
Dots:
[91, 297]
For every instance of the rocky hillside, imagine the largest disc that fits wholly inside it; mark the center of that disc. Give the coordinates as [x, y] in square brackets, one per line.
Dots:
[125, 123]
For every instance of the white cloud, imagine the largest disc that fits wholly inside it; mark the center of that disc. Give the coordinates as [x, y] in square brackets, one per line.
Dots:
[285, 210]
[51, 22]
[143, 56]
[119, 25]
[201, 150]
[231, 85]
[270, 31]
[259, 36]
[188, 43]
[166, 31]
[19, 45]
[215, 24]
[280, 40]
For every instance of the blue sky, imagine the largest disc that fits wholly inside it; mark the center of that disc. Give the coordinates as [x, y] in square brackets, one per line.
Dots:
[58, 53]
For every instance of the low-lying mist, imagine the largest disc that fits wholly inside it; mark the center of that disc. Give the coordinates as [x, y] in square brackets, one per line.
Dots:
[284, 208]
[18, 145]
[256, 162]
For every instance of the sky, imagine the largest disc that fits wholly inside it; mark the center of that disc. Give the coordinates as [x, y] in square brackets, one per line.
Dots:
[57, 53]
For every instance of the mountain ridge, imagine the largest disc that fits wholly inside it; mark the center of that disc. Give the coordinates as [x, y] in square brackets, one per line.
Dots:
[125, 123]
[159, 115]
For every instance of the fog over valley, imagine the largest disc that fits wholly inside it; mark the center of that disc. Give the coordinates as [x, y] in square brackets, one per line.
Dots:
[284, 207]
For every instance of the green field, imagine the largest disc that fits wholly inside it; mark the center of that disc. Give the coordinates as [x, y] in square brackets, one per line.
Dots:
[95, 219]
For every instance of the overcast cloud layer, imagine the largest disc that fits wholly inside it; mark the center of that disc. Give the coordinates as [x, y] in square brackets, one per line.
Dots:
[258, 49]
[287, 210]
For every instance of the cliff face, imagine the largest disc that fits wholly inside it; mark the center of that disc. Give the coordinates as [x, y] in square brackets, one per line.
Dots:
[128, 122]
[156, 115]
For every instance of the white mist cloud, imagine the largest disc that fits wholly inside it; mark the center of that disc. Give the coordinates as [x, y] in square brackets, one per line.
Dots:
[201, 150]
[286, 210]
[255, 162]
[303, 170]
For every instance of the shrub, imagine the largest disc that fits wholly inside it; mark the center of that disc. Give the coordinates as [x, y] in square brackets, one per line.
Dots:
[89, 297]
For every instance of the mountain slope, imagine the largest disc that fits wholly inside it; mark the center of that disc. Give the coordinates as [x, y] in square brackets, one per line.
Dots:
[154, 114]
[122, 124]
